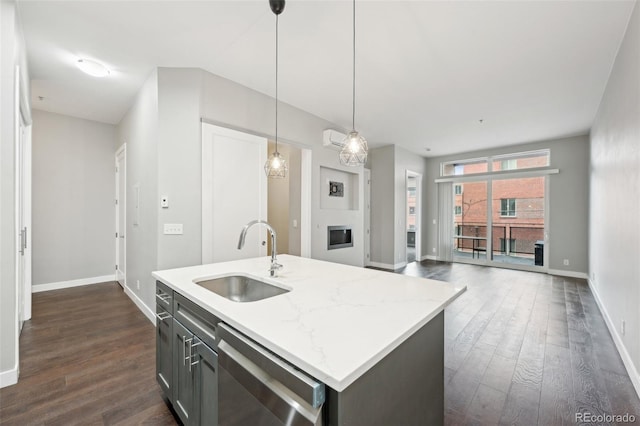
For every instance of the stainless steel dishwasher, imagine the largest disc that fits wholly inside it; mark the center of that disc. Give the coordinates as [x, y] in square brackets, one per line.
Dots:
[257, 388]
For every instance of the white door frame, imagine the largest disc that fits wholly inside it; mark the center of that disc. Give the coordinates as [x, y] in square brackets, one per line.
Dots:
[121, 200]
[306, 167]
[418, 212]
[367, 217]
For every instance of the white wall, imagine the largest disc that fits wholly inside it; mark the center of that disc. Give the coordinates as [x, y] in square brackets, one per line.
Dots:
[568, 200]
[73, 193]
[614, 227]
[139, 130]
[12, 53]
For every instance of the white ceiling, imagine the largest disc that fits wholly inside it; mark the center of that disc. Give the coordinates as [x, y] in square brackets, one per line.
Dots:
[427, 71]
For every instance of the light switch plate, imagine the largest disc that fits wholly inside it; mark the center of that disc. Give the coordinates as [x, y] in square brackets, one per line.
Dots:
[172, 229]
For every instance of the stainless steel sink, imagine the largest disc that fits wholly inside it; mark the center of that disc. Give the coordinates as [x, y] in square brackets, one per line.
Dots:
[238, 288]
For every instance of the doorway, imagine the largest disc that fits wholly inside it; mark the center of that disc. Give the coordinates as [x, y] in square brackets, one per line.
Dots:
[121, 218]
[413, 202]
[500, 222]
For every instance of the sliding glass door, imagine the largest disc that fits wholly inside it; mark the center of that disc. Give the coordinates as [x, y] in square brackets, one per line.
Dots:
[518, 221]
[509, 231]
[470, 221]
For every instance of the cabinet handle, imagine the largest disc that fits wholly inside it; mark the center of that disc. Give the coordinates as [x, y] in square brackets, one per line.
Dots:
[191, 345]
[184, 349]
[163, 316]
[163, 296]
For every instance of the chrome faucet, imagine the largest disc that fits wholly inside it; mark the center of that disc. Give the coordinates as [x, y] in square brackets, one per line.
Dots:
[275, 266]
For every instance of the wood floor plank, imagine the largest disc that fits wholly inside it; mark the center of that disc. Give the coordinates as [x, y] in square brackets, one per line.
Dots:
[521, 348]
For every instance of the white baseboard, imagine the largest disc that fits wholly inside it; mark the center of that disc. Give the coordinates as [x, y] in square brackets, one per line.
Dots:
[8, 377]
[571, 274]
[429, 257]
[622, 350]
[36, 288]
[141, 305]
[388, 265]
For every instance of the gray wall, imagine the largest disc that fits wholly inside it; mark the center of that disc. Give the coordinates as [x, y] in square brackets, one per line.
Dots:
[73, 193]
[382, 164]
[568, 199]
[614, 249]
[12, 53]
[162, 131]
[389, 166]
[407, 161]
[139, 130]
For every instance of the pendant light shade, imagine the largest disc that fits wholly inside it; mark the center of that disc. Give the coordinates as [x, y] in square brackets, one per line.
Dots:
[354, 149]
[276, 166]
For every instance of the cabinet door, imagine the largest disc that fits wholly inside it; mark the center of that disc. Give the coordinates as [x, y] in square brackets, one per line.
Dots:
[164, 358]
[183, 384]
[205, 364]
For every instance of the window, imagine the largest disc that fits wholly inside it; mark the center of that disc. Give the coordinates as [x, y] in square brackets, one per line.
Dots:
[412, 192]
[508, 207]
[497, 163]
[412, 210]
[464, 167]
[509, 164]
[457, 189]
[458, 210]
[521, 160]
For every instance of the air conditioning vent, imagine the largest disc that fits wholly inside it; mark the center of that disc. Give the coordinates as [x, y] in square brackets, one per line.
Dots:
[333, 139]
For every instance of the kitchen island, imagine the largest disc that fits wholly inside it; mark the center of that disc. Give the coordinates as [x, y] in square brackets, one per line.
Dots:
[375, 339]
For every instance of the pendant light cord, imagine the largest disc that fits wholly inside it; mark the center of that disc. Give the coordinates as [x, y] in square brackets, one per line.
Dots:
[353, 116]
[276, 83]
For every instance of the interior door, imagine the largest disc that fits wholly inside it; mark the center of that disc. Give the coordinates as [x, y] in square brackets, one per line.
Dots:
[121, 225]
[234, 192]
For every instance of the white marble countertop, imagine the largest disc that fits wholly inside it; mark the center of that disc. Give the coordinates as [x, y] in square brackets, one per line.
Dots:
[335, 323]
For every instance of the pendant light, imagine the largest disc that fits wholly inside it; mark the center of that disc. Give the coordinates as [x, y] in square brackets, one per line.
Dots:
[276, 165]
[354, 149]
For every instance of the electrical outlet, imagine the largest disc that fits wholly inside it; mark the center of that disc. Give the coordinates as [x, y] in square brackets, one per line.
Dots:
[172, 229]
[164, 202]
[566, 262]
[623, 327]
[138, 284]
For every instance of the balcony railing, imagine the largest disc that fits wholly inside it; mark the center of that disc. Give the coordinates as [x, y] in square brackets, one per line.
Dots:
[506, 239]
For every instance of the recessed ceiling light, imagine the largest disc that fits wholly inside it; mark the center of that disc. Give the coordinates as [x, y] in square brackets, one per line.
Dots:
[93, 68]
[427, 149]
[481, 121]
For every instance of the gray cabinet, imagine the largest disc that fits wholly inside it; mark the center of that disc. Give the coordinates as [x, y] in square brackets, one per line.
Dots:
[186, 363]
[164, 333]
[164, 350]
[183, 386]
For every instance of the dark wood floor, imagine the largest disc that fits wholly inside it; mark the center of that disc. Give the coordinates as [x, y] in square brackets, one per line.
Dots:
[526, 348]
[87, 357]
[521, 348]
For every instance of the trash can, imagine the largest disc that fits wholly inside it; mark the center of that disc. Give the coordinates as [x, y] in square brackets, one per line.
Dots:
[539, 253]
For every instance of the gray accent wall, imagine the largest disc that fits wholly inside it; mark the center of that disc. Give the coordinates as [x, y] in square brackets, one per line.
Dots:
[389, 166]
[73, 198]
[139, 130]
[614, 224]
[568, 200]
